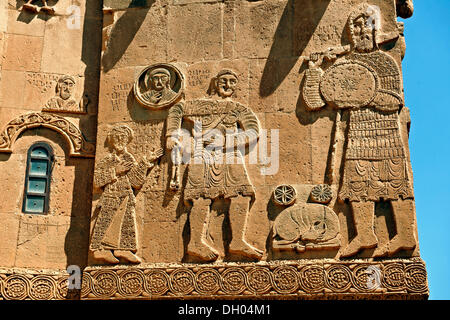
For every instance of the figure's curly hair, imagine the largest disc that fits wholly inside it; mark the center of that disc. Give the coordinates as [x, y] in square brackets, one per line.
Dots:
[121, 128]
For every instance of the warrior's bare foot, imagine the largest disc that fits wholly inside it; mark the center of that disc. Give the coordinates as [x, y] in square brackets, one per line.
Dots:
[397, 244]
[30, 7]
[105, 255]
[381, 251]
[358, 244]
[48, 9]
[242, 248]
[127, 255]
[202, 251]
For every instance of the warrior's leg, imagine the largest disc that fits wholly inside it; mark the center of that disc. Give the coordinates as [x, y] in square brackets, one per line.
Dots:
[403, 211]
[239, 209]
[364, 216]
[199, 221]
[128, 236]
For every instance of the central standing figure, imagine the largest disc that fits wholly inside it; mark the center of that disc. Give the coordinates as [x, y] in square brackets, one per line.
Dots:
[216, 171]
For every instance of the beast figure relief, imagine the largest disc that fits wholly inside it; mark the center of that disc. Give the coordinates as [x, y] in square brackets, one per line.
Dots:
[366, 82]
[118, 174]
[216, 168]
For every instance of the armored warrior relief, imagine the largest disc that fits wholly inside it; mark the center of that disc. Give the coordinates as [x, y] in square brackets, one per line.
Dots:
[210, 176]
[63, 100]
[366, 82]
[118, 174]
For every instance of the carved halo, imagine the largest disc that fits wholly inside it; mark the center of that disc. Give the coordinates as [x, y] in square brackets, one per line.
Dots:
[176, 86]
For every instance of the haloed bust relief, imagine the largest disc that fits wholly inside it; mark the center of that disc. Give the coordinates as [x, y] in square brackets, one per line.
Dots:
[158, 86]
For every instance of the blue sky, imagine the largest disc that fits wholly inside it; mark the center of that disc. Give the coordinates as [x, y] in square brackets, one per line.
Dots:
[426, 70]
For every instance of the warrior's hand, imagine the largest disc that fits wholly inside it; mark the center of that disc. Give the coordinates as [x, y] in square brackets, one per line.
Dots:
[123, 167]
[172, 142]
[155, 155]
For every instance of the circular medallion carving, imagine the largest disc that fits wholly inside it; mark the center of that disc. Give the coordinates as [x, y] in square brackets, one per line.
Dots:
[105, 283]
[416, 278]
[62, 288]
[349, 84]
[285, 279]
[338, 278]
[322, 193]
[131, 283]
[159, 86]
[182, 281]
[312, 279]
[156, 282]
[233, 280]
[207, 281]
[15, 287]
[367, 278]
[86, 284]
[42, 288]
[259, 280]
[394, 277]
[284, 195]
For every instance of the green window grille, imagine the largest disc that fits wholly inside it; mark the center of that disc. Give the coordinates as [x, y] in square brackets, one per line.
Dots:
[37, 179]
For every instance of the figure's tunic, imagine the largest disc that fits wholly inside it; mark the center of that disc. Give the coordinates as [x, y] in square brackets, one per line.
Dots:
[375, 159]
[210, 175]
[59, 104]
[115, 227]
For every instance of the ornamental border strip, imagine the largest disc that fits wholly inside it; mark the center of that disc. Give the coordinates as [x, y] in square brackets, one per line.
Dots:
[289, 280]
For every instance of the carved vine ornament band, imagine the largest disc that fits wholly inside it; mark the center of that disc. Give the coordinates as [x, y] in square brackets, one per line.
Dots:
[292, 279]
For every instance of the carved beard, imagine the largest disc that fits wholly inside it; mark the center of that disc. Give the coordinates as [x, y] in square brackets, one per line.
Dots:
[65, 94]
[364, 43]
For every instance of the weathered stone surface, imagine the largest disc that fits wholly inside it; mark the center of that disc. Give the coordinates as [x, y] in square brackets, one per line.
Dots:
[317, 185]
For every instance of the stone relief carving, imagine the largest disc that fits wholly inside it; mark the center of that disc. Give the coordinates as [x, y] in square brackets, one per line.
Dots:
[29, 6]
[118, 174]
[366, 82]
[284, 195]
[290, 278]
[63, 100]
[308, 226]
[79, 147]
[159, 86]
[210, 176]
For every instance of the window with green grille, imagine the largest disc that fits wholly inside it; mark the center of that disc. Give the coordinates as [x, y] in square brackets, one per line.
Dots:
[37, 179]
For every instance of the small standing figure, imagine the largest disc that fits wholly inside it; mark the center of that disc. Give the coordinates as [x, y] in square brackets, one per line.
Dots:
[118, 174]
[34, 8]
[63, 100]
[210, 176]
[366, 83]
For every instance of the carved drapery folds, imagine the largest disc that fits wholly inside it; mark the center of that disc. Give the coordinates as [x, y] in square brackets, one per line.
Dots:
[78, 146]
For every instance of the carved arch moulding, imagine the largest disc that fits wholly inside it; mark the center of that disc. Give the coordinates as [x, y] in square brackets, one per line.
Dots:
[78, 146]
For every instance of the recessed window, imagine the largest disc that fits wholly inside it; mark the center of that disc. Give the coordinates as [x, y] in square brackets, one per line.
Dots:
[37, 179]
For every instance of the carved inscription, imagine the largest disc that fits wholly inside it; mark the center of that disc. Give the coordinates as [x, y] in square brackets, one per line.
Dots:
[119, 95]
[198, 77]
[44, 82]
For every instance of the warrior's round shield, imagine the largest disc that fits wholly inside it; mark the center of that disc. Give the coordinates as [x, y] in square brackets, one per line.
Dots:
[349, 84]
